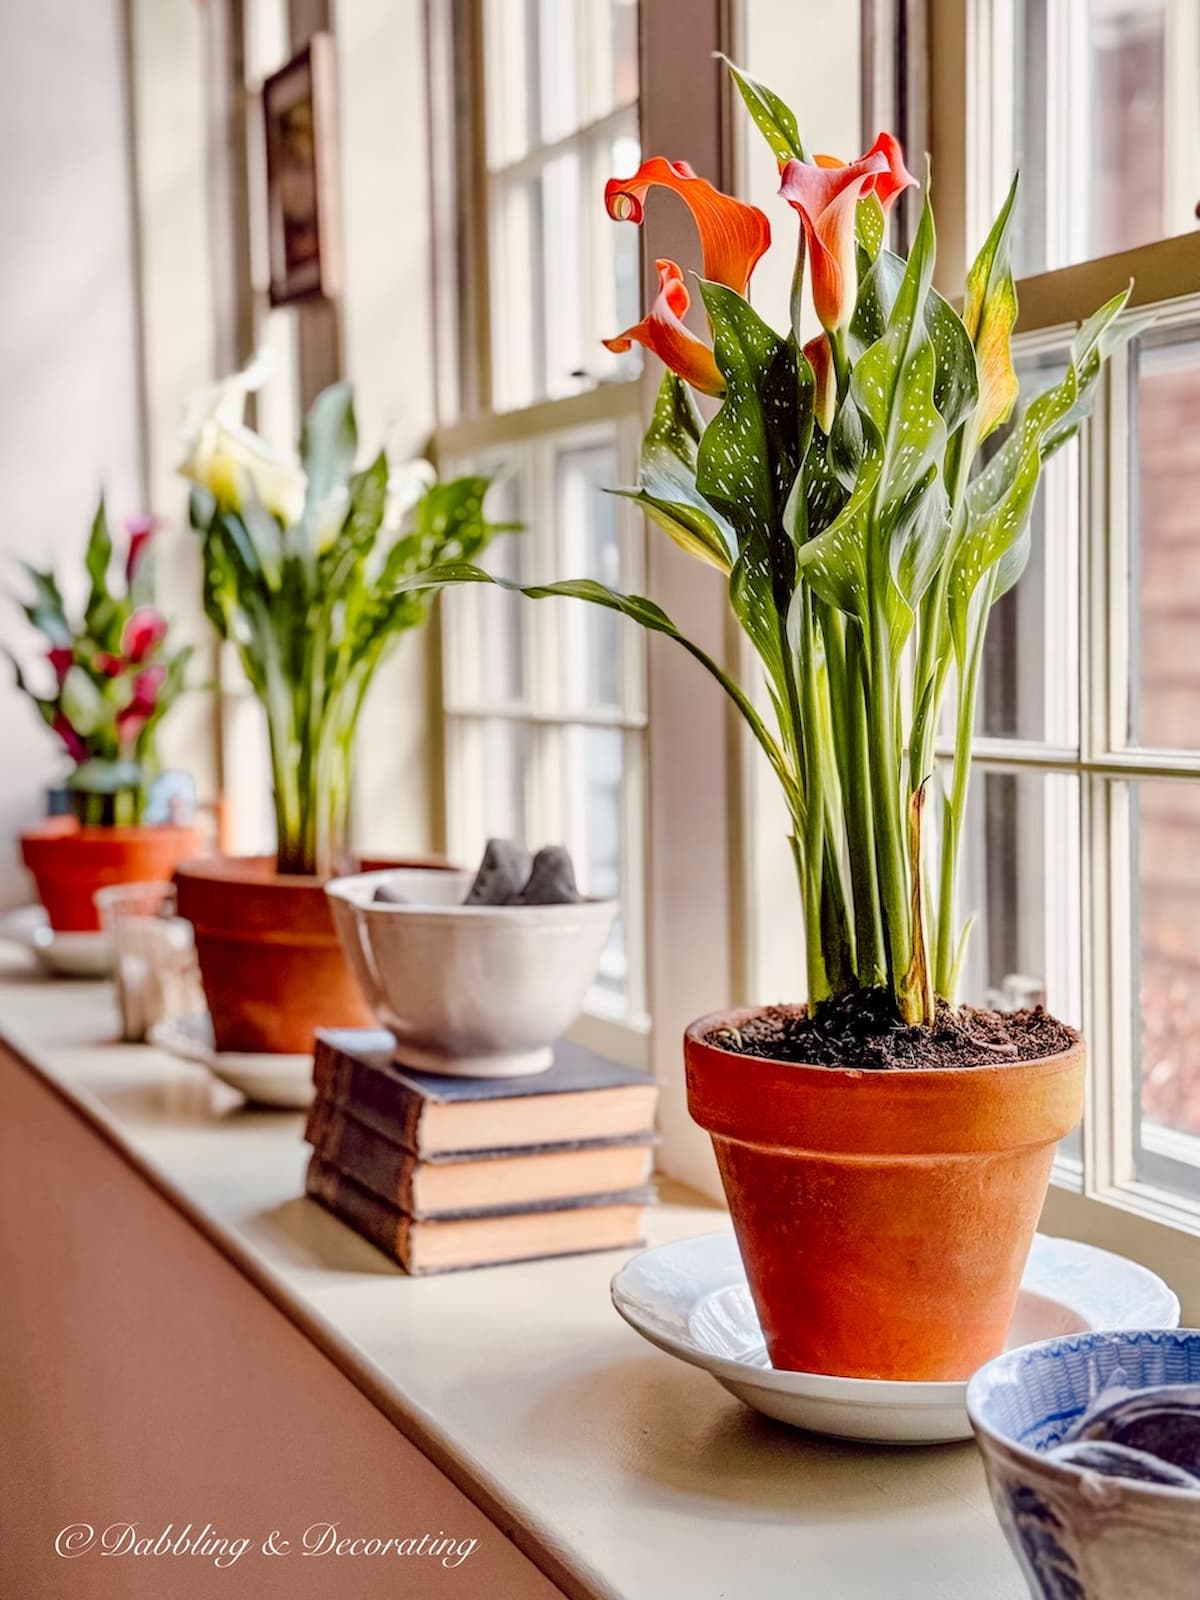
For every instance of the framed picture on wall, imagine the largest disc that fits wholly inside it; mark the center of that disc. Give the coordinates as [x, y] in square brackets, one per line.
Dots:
[299, 113]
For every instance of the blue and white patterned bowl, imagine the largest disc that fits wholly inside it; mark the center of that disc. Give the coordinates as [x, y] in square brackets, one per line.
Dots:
[1076, 1534]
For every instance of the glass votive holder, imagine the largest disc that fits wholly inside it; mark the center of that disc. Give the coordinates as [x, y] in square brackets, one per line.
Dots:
[154, 956]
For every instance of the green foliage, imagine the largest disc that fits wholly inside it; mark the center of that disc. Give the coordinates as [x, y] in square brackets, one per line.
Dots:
[313, 608]
[107, 678]
[865, 541]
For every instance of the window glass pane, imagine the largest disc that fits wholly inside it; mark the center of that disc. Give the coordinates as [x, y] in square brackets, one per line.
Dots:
[562, 119]
[1164, 706]
[593, 767]
[1029, 687]
[589, 638]
[491, 760]
[1021, 880]
[1106, 125]
[1165, 828]
[485, 627]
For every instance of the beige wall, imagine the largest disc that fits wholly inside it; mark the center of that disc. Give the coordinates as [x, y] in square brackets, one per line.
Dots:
[68, 357]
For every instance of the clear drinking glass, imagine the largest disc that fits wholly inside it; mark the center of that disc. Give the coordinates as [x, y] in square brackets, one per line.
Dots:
[154, 956]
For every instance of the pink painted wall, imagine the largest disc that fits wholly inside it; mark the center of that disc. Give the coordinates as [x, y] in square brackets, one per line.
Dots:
[144, 1379]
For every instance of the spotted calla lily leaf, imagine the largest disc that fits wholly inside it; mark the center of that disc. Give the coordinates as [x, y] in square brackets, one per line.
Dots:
[773, 119]
[1000, 501]
[989, 316]
[897, 509]
[956, 385]
[749, 458]
[667, 489]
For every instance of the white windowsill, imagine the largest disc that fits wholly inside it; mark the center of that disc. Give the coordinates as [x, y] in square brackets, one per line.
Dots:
[622, 1473]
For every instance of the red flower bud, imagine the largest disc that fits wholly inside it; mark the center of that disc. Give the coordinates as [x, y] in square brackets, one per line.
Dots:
[144, 632]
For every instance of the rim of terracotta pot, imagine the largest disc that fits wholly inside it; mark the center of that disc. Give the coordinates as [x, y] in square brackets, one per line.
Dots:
[60, 829]
[876, 1111]
[260, 870]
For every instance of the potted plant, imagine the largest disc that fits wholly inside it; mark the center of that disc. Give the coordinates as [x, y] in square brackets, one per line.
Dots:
[884, 1151]
[109, 679]
[302, 558]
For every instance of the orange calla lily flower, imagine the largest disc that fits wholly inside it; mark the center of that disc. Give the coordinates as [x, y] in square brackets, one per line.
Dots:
[662, 330]
[820, 359]
[825, 193]
[733, 235]
[826, 197]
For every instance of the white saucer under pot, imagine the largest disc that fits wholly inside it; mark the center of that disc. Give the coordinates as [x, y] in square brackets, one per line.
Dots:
[283, 1082]
[87, 954]
[691, 1299]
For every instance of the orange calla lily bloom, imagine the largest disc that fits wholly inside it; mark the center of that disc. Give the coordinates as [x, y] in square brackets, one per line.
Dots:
[733, 235]
[663, 330]
[825, 193]
[826, 197]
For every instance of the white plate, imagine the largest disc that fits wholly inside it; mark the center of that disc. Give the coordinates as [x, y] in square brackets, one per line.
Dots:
[284, 1081]
[63, 955]
[691, 1299]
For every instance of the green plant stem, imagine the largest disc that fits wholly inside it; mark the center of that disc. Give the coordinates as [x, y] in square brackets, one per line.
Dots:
[841, 362]
[857, 811]
[810, 852]
[954, 809]
[885, 759]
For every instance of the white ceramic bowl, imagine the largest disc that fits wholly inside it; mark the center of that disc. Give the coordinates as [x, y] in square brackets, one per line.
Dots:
[1076, 1533]
[468, 991]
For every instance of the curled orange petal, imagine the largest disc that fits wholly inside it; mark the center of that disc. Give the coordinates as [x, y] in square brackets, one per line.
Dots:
[733, 235]
[663, 331]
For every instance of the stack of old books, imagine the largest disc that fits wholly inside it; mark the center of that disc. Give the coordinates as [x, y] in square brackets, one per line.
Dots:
[442, 1172]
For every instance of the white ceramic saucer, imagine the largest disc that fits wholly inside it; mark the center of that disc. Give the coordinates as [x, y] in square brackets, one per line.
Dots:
[62, 955]
[283, 1081]
[691, 1299]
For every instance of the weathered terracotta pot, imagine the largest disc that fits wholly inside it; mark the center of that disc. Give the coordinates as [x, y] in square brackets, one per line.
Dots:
[883, 1217]
[70, 862]
[270, 962]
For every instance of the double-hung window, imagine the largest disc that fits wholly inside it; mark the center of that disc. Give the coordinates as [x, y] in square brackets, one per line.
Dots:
[544, 704]
[1084, 857]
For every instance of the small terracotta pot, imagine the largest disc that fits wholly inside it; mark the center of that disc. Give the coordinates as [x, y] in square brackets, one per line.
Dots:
[883, 1217]
[270, 961]
[70, 862]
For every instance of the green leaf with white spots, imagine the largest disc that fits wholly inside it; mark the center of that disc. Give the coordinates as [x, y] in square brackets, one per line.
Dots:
[667, 489]
[1000, 500]
[989, 316]
[870, 224]
[956, 386]
[749, 457]
[888, 540]
[773, 119]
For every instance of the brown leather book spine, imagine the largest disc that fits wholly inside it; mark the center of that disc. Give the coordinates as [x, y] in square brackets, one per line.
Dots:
[379, 1223]
[377, 1099]
[384, 1168]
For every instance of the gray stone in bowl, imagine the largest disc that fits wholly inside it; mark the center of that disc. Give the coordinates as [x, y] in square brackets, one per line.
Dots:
[551, 881]
[503, 872]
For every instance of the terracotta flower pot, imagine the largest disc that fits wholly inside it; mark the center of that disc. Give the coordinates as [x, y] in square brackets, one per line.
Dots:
[70, 862]
[883, 1217]
[270, 961]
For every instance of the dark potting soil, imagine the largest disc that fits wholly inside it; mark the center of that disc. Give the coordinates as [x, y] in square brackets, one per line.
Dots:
[863, 1030]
